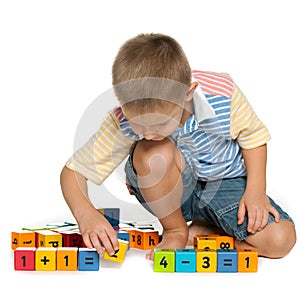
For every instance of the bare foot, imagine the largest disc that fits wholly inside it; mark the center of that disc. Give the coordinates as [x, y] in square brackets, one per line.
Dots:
[170, 240]
[197, 227]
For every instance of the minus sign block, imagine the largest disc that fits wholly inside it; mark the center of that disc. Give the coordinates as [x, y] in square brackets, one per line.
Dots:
[185, 260]
[88, 259]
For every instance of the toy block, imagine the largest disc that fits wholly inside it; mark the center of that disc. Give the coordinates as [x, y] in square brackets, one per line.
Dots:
[24, 258]
[150, 239]
[72, 239]
[225, 242]
[199, 236]
[227, 260]
[119, 255]
[66, 259]
[124, 236]
[206, 243]
[45, 259]
[185, 260]
[88, 260]
[206, 260]
[49, 238]
[133, 238]
[247, 260]
[24, 238]
[164, 260]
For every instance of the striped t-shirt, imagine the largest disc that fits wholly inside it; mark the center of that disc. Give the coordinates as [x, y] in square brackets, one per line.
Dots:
[210, 140]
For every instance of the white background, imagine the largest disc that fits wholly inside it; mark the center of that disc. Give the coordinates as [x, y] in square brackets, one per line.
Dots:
[55, 60]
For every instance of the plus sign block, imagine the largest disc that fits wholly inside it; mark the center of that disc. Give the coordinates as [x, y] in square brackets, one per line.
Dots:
[66, 259]
[45, 259]
[88, 260]
[24, 259]
[164, 260]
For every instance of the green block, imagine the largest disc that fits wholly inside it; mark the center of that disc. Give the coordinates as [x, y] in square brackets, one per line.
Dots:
[164, 260]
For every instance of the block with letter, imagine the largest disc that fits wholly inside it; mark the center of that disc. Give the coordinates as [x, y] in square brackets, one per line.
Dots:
[206, 260]
[227, 260]
[119, 255]
[48, 238]
[66, 259]
[150, 239]
[24, 258]
[247, 260]
[185, 260]
[45, 259]
[225, 242]
[164, 260]
[23, 238]
[88, 260]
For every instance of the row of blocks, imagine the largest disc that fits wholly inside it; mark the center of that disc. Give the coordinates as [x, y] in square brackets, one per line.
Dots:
[63, 258]
[205, 260]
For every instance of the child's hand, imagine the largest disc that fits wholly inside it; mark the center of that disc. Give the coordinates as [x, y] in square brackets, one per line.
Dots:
[258, 207]
[94, 227]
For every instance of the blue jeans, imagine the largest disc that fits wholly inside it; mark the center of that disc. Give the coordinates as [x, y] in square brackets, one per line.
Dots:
[213, 202]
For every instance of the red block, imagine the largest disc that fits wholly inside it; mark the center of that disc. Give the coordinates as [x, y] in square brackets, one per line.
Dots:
[24, 259]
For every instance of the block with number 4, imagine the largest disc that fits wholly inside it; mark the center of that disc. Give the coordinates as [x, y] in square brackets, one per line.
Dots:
[164, 260]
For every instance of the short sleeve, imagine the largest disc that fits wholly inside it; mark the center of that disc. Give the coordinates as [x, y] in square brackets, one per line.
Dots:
[103, 152]
[245, 126]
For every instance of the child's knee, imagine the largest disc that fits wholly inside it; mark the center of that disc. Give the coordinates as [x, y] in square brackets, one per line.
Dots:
[154, 156]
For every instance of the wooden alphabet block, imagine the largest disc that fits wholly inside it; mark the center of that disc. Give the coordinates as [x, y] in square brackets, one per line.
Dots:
[200, 236]
[206, 243]
[164, 260]
[206, 260]
[112, 215]
[45, 259]
[66, 259]
[24, 258]
[185, 260]
[247, 260]
[88, 260]
[225, 242]
[24, 238]
[150, 239]
[48, 238]
[133, 238]
[124, 236]
[119, 255]
[227, 260]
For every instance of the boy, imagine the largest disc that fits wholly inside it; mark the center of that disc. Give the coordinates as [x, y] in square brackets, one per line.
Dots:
[197, 152]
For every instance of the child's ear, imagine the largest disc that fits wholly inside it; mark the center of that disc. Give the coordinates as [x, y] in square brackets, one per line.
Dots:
[190, 93]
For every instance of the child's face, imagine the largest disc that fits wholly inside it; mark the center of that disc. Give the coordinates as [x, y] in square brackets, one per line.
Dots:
[156, 126]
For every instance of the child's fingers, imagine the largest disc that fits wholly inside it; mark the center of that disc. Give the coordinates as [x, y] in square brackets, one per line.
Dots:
[96, 242]
[241, 213]
[275, 213]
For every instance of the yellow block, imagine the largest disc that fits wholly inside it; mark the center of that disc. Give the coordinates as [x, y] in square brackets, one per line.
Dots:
[206, 243]
[45, 259]
[206, 260]
[247, 260]
[225, 242]
[48, 238]
[120, 254]
[24, 238]
[66, 258]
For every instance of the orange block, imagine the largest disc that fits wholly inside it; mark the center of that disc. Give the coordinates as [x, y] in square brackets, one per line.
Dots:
[150, 239]
[247, 260]
[225, 242]
[24, 238]
[66, 258]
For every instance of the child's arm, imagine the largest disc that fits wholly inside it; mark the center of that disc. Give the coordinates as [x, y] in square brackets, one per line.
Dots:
[93, 226]
[255, 201]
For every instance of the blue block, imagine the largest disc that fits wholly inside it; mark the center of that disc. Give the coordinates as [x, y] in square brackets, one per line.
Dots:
[88, 260]
[124, 236]
[113, 216]
[185, 260]
[227, 260]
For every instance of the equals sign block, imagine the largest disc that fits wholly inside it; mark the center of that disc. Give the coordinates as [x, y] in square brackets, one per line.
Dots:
[227, 260]
[88, 260]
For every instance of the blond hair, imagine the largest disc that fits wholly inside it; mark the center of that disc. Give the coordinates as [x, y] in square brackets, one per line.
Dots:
[149, 69]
